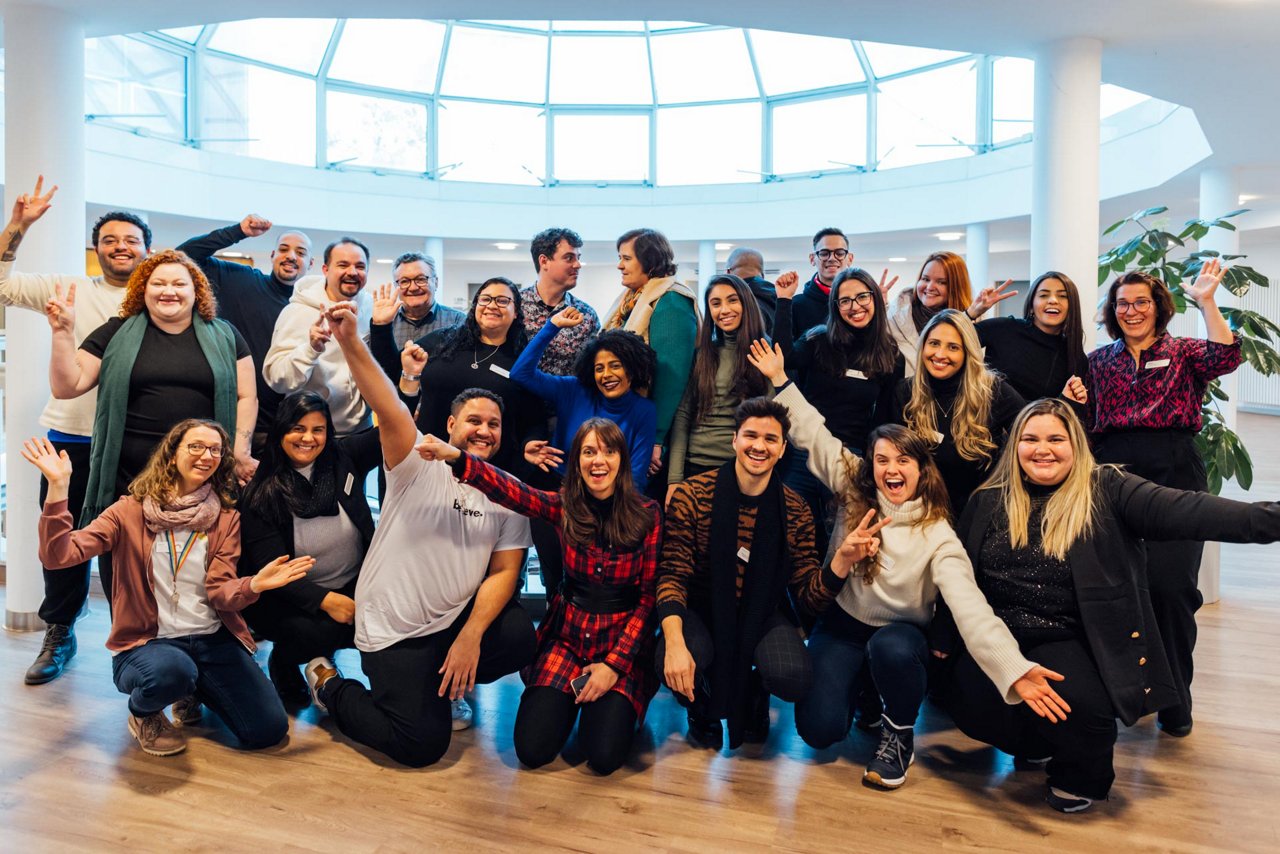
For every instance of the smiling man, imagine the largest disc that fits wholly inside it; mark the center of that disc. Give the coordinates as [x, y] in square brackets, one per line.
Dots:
[736, 542]
[414, 275]
[830, 255]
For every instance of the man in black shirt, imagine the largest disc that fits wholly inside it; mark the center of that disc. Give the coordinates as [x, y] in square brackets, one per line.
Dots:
[748, 265]
[251, 300]
[830, 255]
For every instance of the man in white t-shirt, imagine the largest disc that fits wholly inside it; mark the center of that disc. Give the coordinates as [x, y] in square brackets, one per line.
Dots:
[435, 603]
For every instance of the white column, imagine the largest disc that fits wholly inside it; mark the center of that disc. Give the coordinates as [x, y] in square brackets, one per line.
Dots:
[1064, 167]
[977, 255]
[1219, 193]
[434, 246]
[44, 133]
[706, 263]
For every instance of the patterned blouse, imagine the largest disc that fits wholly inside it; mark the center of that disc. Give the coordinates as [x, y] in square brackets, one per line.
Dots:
[1163, 391]
[563, 351]
[571, 637]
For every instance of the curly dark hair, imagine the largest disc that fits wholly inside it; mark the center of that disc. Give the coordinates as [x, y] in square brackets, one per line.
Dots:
[123, 216]
[134, 301]
[637, 357]
[159, 479]
[546, 242]
[466, 336]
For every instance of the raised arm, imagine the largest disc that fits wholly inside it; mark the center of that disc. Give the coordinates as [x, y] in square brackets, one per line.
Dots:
[1203, 291]
[72, 372]
[1161, 513]
[26, 290]
[526, 372]
[504, 489]
[202, 248]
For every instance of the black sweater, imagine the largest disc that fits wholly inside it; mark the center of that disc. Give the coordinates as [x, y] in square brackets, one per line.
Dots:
[809, 308]
[1035, 363]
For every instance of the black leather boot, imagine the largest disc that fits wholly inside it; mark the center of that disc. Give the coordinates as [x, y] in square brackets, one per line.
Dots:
[59, 648]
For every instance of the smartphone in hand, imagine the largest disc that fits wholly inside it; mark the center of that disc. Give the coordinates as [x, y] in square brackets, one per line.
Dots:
[579, 683]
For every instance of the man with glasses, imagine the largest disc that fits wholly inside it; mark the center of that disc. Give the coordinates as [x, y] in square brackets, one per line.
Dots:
[830, 255]
[748, 265]
[557, 258]
[414, 275]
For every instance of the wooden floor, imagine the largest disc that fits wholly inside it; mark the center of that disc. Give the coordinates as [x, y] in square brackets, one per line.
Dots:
[72, 779]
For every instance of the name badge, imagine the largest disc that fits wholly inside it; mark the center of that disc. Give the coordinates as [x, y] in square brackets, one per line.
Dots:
[855, 375]
[935, 437]
[886, 562]
[351, 479]
[744, 555]
[1157, 363]
[502, 372]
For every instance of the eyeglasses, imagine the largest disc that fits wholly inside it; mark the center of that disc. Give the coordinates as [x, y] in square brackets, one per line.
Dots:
[500, 302]
[838, 254]
[863, 299]
[197, 449]
[1141, 306]
[420, 281]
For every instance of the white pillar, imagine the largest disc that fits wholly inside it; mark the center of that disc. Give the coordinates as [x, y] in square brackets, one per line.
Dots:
[1219, 193]
[1064, 165]
[706, 263]
[44, 133]
[977, 255]
[434, 246]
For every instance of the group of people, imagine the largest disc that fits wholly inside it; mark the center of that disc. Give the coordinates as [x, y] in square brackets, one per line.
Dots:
[838, 496]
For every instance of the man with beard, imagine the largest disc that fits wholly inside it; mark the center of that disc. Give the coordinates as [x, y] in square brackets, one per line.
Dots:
[251, 300]
[302, 353]
[121, 240]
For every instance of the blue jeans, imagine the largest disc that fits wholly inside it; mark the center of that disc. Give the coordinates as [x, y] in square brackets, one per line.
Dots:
[217, 669]
[897, 654]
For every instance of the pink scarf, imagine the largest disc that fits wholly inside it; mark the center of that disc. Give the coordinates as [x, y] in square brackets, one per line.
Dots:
[197, 511]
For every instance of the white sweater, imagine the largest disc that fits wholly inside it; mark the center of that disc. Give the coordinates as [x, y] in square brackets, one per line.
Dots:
[916, 561]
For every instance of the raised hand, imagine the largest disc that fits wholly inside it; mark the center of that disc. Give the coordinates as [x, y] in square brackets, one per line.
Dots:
[280, 572]
[54, 465]
[431, 448]
[29, 207]
[885, 287]
[1206, 284]
[987, 297]
[60, 310]
[254, 225]
[568, 318]
[861, 543]
[1033, 687]
[386, 302]
[413, 359]
[540, 453]
[1075, 391]
[342, 322]
[319, 333]
[341, 609]
[768, 359]
[787, 285]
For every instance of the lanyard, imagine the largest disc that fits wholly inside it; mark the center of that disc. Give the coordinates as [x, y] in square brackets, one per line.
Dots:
[177, 558]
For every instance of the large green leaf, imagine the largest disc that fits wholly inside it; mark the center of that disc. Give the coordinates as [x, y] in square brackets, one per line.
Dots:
[1148, 212]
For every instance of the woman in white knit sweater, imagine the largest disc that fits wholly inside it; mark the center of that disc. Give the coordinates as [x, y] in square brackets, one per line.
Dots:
[886, 605]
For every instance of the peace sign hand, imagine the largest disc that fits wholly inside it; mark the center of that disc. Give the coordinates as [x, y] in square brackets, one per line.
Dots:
[988, 297]
[29, 207]
[60, 310]
[885, 287]
[861, 544]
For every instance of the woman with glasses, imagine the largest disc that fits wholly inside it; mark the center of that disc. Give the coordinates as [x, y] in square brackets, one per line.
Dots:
[1144, 398]
[480, 353]
[177, 637]
[1041, 351]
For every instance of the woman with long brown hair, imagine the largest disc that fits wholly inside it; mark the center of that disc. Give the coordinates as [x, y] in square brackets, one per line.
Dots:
[595, 645]
[1041, 351]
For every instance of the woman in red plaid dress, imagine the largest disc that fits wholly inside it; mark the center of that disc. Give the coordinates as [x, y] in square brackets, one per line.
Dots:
[597, 639]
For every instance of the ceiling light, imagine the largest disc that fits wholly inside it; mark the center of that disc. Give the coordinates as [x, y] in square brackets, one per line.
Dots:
[1245, 198]
[949, 235]
[506, 247]
[234, 255]
[382, 260]
[723, 247]
[896, 260]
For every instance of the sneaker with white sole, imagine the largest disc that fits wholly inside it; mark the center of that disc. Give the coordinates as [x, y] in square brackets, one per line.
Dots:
[320, 670]
[1064, 801]
[156, 735]
[462, 714]
[888, 769]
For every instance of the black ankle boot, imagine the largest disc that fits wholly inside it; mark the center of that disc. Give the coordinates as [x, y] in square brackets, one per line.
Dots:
[59, 647]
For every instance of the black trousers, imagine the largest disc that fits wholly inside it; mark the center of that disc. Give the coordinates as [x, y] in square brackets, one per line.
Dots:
[1168, 458]
[401, 714]
[780, 658]
[65, 590]
[545, 536]
[606, 727]
[1082, 746]
[298, 634]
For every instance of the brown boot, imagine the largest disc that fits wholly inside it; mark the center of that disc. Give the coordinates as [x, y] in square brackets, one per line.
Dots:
[156, 735]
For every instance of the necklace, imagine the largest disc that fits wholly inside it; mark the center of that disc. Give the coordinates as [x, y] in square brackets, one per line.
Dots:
[476, 362]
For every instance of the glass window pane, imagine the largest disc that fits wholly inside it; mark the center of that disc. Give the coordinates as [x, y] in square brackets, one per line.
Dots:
[658, 26]
[598, 26]
[601, 147]
[1012, 98]
[600, 70]
[392, 54]
[136, 85]
[186, 34]
[297, 43]
[711, 65]
[693, 147]
[255, 111]
[826, 61]
[540, 26]
[1115, 99]
[369, 131]
[889, 59]
[842, 143]
[470, 70]
[491, 143]
[927, 117]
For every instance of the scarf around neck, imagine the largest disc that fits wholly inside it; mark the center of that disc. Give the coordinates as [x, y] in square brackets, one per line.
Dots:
[197, 511]
[633, 309]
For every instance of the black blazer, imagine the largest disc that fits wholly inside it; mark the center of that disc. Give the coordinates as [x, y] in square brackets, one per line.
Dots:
[1109, 571]
[261, 541]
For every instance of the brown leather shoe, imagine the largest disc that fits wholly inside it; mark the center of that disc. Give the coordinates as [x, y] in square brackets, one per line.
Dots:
[187, 712]
[156, 735]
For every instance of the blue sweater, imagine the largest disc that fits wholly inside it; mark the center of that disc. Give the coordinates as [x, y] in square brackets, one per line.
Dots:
[635, 415]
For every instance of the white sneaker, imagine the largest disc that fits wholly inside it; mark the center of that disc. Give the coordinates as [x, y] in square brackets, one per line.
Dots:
[319, 670]
[462, 714]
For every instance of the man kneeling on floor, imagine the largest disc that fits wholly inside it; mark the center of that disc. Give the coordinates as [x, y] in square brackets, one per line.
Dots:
[435, 608]
[736, 542]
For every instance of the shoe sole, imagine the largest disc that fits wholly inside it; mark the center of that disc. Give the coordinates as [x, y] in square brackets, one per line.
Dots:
[151, 751]
[874, 777]
[41, 680]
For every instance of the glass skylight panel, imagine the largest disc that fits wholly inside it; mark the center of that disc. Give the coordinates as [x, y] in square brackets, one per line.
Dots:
[1012, 98]
[136, 85]
[717, 144]
[297, 43]
[600, 70]
[185, 34]
[926, 117]
[889, 59]
[708, 65]
[378, 132]
[540, 26]
[490, 143]
[659, 26]
[794, 63]
[597, 26]
[247, 109]
[497, 64]
[820, 136]
[1114, 99]
[601, 147]
[402, 54]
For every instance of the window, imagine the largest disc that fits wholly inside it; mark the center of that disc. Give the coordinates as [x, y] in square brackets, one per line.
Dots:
[252, 110]
[378, 132]
[504, 66]
[132, 84]
[1116, 99]
[1012, 98]
[709, 145]
[887, 59]
[601, 147]
[927, 117]
[491, 143]
[600, 70]
[794, 63]
[711, 65]
[296, 43]
[820, 136]
[407, 53]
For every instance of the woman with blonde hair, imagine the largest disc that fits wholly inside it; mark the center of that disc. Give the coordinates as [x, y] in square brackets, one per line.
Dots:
[1057, 544]
[177, 637]
[959, 406]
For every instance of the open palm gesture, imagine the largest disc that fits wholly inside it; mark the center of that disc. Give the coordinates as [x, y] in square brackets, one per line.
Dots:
[1206, 284]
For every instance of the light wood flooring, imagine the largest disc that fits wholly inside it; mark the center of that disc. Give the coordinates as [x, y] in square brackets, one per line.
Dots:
[72, 779]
